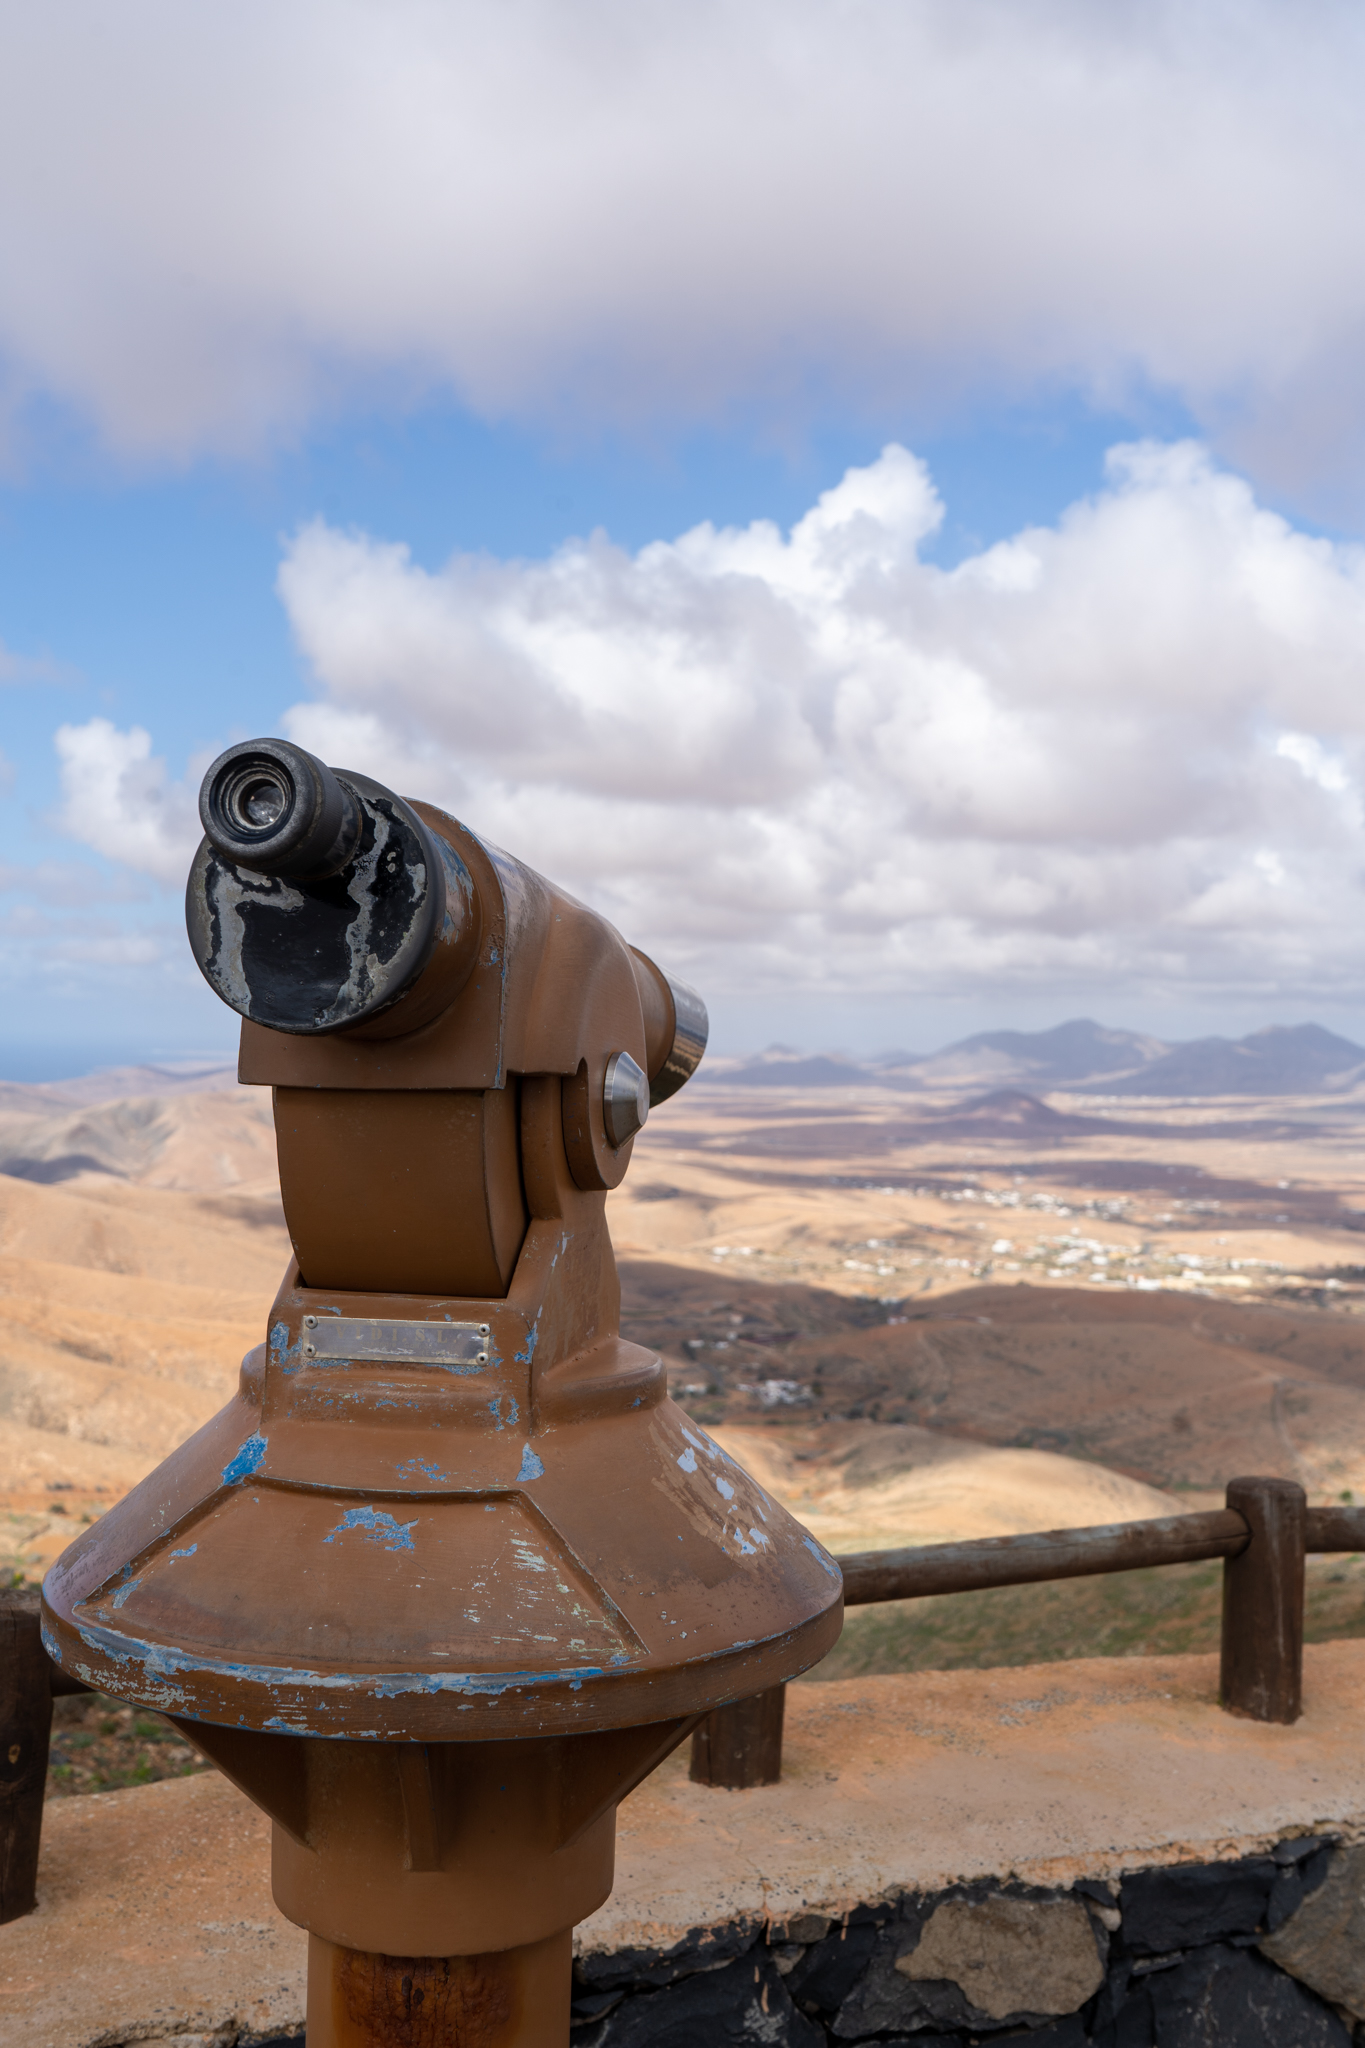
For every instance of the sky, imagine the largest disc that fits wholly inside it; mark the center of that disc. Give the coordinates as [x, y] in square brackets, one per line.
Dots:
[868, 494]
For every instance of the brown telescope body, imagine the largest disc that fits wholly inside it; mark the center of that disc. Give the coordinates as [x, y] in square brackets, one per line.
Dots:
[451, 1573]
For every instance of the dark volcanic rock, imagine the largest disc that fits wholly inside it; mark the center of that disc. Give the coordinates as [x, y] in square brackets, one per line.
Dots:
[745, 2002]
[700, 1949]
[1231, 1998]
[1187, 1904]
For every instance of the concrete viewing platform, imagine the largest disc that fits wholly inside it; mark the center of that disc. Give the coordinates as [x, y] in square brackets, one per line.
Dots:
[155, 1921]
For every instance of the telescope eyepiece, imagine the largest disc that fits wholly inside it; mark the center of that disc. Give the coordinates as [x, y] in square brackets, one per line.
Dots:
[257, 800]
[270, 806]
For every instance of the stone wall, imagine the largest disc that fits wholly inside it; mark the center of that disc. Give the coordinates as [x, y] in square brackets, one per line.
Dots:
[1261, 1952]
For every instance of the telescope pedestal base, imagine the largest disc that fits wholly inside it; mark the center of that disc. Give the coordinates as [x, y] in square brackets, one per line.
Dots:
[507, 1998]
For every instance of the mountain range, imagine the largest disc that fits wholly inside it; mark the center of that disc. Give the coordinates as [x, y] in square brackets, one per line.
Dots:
[1293, 1059]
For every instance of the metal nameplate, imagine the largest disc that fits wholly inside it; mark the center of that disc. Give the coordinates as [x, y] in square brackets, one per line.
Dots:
[450, 1345]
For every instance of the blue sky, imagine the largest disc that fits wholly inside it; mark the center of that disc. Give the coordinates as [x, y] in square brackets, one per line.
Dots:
[221, 419]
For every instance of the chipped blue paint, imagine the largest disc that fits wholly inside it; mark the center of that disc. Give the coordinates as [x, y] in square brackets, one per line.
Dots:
[513, 1415]
[823, 1557]
[422, 1465]
[129, 1586]
[760, 1537]
[688, 1461]
[189, 1552]
[525, 1357]
[282, 1352]
[491, 1684]
[245, 1462]
[724, 1489]
[531, 1467]
[162, 1662]
[376, 1527]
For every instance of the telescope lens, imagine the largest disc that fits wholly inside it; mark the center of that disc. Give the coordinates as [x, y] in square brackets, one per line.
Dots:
[263, 803]
[252, 797]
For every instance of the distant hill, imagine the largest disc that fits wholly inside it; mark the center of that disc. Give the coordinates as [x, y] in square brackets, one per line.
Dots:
[200, 1138]
[1294, 1059]
[1069, 1055]
[777, 1068]
[1297, 1059]
[1012, 1113]
[119, 1084]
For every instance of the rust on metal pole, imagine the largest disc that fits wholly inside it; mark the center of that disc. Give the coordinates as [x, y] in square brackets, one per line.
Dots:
[741, 1745]
[25, 1731]
[507, 1998]
[1262, 1657]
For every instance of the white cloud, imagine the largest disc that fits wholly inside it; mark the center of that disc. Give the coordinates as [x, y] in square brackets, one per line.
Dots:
[1123, 751]
[214, 222]
[1312, 758]
[116, 798]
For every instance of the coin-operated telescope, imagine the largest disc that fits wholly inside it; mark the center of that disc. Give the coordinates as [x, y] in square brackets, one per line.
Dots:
[451, 1573]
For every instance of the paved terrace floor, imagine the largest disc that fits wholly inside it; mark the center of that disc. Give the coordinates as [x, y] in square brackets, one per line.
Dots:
[155, 1918]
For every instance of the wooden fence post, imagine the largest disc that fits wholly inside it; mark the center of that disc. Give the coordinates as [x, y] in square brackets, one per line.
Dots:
[25, 1730]
[741, 1745]
[1262, 1658]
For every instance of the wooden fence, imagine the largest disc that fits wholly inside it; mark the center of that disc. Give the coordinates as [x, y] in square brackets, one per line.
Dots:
[1262, 1535]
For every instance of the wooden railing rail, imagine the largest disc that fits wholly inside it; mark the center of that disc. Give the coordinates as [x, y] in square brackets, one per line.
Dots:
[876, 1575]
[1262, 1535]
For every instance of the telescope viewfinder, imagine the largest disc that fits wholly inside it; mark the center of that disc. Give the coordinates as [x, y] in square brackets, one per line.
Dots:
[269, 806]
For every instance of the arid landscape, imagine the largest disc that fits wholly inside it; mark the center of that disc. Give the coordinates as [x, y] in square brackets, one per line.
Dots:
[921, 1300]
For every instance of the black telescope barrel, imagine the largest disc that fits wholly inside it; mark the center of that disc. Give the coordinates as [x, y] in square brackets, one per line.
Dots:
[269, 806]
[318, 897]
